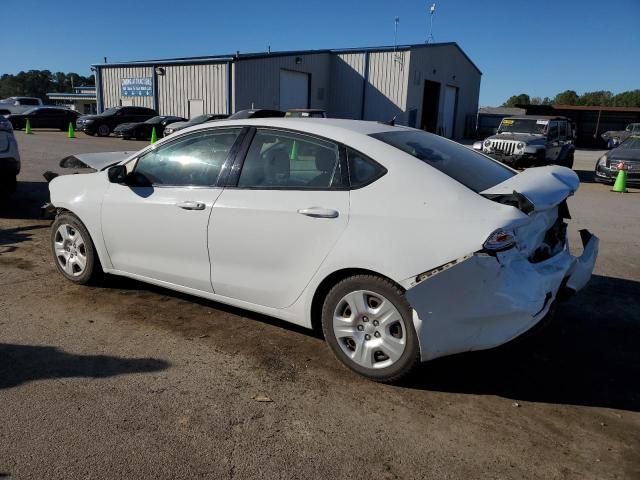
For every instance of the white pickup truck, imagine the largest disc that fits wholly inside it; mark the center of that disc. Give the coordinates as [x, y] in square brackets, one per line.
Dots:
[18, 104]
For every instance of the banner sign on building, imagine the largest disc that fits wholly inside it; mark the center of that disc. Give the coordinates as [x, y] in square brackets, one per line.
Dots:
[137, 87]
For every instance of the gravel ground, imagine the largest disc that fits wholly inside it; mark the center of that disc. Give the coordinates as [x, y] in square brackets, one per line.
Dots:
[127, 380]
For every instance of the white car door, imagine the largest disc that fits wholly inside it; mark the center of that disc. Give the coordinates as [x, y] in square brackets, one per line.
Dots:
[271, 231]
[156, 225]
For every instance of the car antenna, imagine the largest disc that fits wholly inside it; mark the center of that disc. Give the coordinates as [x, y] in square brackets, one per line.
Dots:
[392, 122]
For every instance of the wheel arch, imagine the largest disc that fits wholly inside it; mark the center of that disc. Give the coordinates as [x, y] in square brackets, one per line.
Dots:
[102, 255]
[328, 283]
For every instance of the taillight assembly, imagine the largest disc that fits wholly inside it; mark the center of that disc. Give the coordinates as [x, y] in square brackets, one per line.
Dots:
[499, 240]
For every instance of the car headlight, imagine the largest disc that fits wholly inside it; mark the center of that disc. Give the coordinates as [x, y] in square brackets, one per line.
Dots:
[603, 161]
[87, 121]
[487, 143]
[520, 145]
[168, 131]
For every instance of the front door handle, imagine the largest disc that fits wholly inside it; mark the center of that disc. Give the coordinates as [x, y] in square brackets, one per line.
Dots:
[190, 205]
[319, 212]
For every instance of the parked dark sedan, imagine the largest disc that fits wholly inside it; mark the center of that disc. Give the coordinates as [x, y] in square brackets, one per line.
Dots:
[44, 117]
[142, 130]
[627, 154]
[256, 113]
[103, 124]
[206, 117]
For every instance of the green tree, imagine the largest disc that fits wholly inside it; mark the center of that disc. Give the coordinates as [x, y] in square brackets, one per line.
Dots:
[37, 83]
[598, 98]
[568, 97]
[522, 99]
[630, 98]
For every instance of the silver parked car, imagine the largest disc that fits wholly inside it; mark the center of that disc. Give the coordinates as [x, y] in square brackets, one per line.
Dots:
[9, 157]
[529, 141]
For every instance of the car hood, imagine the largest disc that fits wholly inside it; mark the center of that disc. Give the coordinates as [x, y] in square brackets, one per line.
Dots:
[536, 189]
[519, 137]
[96, 161]
[623, 154]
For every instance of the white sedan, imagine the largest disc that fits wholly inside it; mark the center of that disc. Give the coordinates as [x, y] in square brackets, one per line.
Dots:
[401, 245]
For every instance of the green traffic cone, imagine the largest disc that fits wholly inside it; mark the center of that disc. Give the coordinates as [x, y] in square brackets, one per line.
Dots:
[27, 127]
[70, 132]
[293, 155]
[154, 137]
[621, 182]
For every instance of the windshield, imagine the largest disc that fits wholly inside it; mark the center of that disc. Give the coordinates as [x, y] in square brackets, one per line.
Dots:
[470, 168]
[110, 111]
[154, 120]
[523, 125]
[631, 143]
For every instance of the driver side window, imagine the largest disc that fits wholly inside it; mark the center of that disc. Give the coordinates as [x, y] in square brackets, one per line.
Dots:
[194, 160]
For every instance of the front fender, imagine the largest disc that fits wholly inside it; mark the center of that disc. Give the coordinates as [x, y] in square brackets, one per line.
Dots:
[82, 195]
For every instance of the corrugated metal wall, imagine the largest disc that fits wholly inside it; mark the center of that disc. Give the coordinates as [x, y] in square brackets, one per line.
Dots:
[347, 82]
[181, 83]
[257, 81]
[112, 83]
[386, 94]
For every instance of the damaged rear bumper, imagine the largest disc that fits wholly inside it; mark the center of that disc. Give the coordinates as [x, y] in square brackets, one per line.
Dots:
[484, 301]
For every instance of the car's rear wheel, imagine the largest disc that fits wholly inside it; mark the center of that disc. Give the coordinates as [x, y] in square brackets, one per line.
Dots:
[103, 130]
[368, 324]
[73, 250]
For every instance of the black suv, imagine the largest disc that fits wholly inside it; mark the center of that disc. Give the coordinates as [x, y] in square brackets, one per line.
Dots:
[103, 124]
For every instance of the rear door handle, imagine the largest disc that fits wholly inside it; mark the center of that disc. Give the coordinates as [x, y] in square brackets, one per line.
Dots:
[319, 212]
[190, 205]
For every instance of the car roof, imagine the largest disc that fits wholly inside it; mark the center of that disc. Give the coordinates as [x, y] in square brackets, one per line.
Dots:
[328, 127]
[306, 110]
[534, 117]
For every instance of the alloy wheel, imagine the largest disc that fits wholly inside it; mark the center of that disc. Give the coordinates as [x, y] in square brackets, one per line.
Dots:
[70, 250]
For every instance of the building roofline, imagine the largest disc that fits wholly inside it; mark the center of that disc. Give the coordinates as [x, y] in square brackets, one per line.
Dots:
[284, 53]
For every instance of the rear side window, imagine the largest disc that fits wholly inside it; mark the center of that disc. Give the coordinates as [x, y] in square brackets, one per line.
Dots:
[471, 169]
[362, 170]
[287, 160]
[29, 101]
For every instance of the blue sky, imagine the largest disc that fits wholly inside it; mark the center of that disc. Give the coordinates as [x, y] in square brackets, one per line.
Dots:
[540, 47]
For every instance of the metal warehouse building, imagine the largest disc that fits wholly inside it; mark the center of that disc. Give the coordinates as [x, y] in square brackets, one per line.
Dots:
[431, 86]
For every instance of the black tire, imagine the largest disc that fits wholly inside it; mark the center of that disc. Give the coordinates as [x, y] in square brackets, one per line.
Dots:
[92, 272]
[410, 357]
[103, 130]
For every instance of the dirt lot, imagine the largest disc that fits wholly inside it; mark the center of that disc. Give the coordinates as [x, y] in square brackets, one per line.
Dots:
[132, 381]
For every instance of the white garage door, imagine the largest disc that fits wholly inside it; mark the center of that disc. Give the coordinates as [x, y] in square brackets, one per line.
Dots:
[196, 107]
[294, 90]
[448, 120]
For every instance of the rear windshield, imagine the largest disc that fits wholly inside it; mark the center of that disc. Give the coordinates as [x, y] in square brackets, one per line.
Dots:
[471, 169]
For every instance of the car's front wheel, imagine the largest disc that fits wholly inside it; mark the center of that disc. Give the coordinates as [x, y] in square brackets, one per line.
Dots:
[73, 251]
[103, 130]
[368, 324]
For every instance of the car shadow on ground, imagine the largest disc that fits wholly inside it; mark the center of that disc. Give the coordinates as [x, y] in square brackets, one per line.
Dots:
[588, 355]
[20, 364]
[12, 236]
[586, 176]
[25, 202]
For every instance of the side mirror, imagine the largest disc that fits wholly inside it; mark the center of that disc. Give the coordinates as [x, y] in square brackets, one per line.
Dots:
[477, 146]
[117, 174]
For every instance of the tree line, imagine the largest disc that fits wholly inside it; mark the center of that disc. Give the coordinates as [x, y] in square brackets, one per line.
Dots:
[599, 98]
[37, 83]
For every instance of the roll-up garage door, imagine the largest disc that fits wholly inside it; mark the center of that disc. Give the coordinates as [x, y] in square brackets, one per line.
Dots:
[294, 90]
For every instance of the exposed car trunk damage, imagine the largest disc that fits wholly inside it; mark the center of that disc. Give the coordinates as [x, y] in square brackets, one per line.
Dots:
[487, 298]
